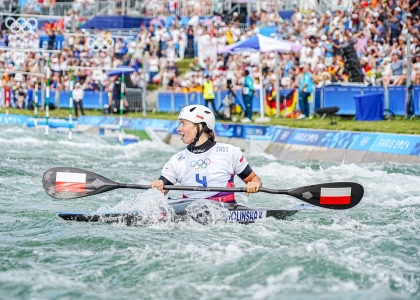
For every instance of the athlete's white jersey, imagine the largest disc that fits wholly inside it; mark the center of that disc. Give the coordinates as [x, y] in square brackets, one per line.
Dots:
[215, 167]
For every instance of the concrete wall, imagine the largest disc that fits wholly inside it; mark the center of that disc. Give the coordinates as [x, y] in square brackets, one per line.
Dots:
[296, 152]
[299, 152]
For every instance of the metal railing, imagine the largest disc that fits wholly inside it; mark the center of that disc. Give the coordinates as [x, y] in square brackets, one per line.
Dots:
[105, 8]
[151, 9]
[279, 5]
[322, 6]
[267, 5]
[61, 8]
[7, 6]
[146, 9]
[220, 6]
[124, 31]
[287, 4]
[135, 99]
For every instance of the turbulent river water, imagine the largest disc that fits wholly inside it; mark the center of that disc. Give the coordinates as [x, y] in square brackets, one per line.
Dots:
[371, 251]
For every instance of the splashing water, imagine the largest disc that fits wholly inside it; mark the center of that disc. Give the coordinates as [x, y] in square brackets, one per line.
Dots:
[150, 208]
[368, 252]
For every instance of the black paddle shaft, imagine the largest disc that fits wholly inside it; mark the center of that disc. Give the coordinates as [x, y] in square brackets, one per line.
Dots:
[71, 183]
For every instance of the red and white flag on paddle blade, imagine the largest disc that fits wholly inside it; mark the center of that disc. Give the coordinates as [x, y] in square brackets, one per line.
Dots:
[335, 195]
[70, 182]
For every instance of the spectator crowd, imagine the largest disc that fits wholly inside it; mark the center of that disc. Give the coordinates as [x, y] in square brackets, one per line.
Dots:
[379, 31]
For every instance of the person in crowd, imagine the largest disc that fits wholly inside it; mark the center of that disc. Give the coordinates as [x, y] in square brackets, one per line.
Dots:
[385, 71]
[328, 51]
[297, 17]
[114, 96]
[361, 44]
[153, 66]
[379, 29]
[182, 43]
[366, 69]
[51, 39]
[270, 97]
[208, 93]
[394, 19]
[78, 94]
[305, 89]
[373, 54]
[254, 18]
[205, 162]
[235, 18]
[195, 65]
[48, 25]
[397, 70]
[20, 92]
[174, 84]
[190, 42]
[248, 92]
[337, 42]
[172, 67]
[325, 80]
[263, 18]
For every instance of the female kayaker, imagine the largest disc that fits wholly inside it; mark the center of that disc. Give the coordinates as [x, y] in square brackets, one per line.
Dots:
[205, 162]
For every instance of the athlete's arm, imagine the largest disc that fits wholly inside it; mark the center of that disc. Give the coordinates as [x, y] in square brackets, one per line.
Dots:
[253, 183]
[252, 180]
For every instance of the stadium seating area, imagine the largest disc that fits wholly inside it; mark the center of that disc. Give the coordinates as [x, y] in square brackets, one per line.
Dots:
[156, 42]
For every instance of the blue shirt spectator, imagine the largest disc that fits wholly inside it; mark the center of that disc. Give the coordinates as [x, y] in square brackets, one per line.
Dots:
[380, 30]
[289, 65]
[395, 23]
[396, 65]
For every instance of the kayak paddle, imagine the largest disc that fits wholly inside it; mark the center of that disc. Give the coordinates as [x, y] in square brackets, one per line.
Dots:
[70, 183]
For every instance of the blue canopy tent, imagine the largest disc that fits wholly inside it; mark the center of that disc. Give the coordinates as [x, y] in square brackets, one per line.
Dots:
[121, 70]
[261, 43]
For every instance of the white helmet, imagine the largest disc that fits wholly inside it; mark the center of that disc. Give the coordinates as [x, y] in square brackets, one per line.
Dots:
[198, 114]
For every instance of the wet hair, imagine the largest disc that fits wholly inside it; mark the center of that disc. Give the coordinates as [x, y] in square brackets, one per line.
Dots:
[209, 132]
[205, 129]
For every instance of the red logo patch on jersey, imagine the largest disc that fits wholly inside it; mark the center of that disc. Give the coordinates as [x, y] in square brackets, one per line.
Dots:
[242, 159]
[200, 117]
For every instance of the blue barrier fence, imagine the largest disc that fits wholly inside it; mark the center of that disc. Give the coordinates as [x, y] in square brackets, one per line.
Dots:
[91, 100]
[340, 96]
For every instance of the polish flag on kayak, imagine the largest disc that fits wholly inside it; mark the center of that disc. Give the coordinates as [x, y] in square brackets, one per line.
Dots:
[335, 195]
[70, 182]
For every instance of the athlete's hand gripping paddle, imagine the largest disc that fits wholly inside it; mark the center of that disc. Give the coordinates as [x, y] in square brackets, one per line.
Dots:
[70, 183]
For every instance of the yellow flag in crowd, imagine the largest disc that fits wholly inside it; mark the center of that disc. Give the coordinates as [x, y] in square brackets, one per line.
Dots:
[229, 37]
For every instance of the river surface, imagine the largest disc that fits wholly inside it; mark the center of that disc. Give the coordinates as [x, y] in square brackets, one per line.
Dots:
[371, 251]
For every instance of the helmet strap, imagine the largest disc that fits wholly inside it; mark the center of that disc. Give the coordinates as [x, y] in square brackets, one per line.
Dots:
[199, 133]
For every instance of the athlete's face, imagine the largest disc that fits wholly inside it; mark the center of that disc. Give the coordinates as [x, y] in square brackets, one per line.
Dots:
[187, 130]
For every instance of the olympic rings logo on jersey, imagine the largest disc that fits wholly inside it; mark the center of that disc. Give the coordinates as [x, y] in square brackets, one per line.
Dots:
[21, 24]
[100, 44]
[201, 163]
